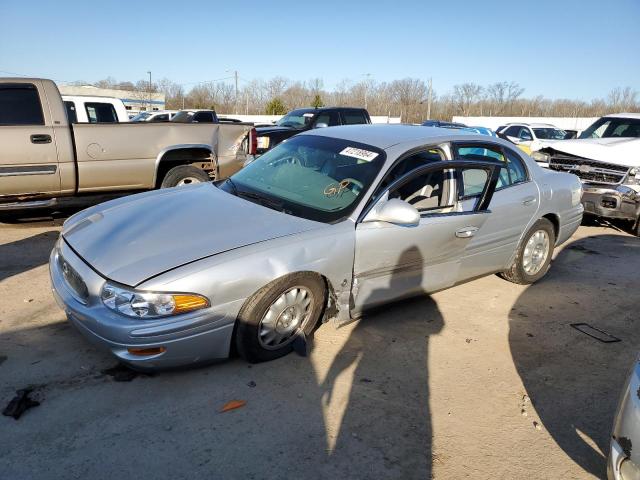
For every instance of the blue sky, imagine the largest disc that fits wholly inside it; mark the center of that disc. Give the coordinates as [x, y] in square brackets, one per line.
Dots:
[559, 49]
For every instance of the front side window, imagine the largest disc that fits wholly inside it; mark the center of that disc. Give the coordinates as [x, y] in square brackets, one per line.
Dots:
[330, 119]
[525, 134]
[161, 118]
[101, 112]
[20, 104]
[314, 177]
[512, 131]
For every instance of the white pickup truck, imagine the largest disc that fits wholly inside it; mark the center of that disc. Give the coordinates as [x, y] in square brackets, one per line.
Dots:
[45, 158]
[606, 157]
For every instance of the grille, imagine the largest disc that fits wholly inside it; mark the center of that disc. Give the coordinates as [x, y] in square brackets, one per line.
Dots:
[73, 280]
[589, 170]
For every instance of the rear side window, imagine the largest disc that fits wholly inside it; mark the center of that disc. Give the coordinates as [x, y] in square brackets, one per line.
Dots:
[517, 172]
[71, 111]
[101, 113]
[512, 173]
[203, 117]
[353, 118]
[161, 118]
[20, 105]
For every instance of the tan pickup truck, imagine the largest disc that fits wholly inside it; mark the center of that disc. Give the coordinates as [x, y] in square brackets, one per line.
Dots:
[44, 158]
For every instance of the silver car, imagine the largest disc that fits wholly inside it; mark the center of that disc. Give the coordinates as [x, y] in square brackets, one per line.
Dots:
[325, 226]
[624, 459]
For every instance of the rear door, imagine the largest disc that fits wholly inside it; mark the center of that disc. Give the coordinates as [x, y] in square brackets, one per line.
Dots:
[393, 261]
[28, 156]
[514, 205]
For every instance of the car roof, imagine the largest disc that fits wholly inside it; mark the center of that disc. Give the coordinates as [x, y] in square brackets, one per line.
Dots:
[532, 125]
[623, 115]
[384, 136]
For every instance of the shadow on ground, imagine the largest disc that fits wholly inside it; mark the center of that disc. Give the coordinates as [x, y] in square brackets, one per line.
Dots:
[26, 254]
[573, 380]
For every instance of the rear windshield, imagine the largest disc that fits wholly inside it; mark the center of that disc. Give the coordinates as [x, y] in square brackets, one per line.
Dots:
[314, 177]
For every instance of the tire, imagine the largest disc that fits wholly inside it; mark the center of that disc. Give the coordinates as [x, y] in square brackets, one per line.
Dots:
[251, 341]
[184, 175]
[526, 274]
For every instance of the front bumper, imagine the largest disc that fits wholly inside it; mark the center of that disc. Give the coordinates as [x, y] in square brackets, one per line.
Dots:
[611, 202]
[191, 338]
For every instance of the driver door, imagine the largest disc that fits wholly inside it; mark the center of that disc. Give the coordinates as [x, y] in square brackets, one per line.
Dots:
[392, 260]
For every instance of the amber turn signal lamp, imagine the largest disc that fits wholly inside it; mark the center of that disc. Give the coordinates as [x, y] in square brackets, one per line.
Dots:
[187, 303]
[145, 352]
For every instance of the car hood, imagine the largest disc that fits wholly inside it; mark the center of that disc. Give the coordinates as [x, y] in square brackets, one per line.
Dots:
[621, 151]
[132, 239]
[266, 130]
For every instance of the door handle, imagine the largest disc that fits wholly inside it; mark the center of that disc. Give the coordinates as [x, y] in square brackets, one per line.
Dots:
[529, 200]
[40, 138]
[466, 232]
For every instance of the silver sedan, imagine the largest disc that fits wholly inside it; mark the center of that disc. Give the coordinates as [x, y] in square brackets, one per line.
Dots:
[325, 226]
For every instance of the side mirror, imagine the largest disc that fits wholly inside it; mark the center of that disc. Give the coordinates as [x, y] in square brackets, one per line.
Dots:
[394, 211]
[321, 125]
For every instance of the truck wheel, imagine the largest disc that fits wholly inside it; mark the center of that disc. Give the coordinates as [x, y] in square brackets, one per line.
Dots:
[271, 318]
[184, 175]
[533, 256]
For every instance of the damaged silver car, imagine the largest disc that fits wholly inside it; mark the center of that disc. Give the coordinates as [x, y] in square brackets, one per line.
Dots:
[326, 225]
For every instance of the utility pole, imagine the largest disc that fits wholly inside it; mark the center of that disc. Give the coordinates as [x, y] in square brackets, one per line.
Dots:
[149, 72]
[235, 74]
[366, 88]
[429, 99]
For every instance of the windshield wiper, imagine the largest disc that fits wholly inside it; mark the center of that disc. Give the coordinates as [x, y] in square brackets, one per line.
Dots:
[262, 200]
[233, 185]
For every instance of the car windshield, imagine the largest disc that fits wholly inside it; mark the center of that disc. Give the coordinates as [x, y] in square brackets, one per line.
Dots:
[183, 117]
[315, 177]
[141, 117]
[550, 133]
[296, 119]
[613, 127]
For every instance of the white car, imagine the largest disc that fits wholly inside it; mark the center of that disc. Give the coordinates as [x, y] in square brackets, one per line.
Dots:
[531, 135]
[84, 109]
[155, 116]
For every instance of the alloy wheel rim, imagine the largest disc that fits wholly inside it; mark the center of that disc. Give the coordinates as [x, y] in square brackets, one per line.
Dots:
[285, 317]
[536, 252]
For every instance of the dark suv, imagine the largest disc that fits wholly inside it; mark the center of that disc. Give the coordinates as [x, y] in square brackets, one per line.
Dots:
[302, 119]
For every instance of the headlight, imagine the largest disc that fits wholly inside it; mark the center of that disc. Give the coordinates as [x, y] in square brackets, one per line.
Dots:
[138, 304]
[540, 157]
[633, 178]
[263, 142]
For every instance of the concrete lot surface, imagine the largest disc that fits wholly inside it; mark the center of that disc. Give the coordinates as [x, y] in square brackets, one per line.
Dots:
[483, 381]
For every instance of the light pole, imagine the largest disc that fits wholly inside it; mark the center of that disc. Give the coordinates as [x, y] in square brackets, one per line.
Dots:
[149, 72]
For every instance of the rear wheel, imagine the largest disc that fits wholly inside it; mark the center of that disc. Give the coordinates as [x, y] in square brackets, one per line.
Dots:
[275, 315]
[534, 254]
[184, 175]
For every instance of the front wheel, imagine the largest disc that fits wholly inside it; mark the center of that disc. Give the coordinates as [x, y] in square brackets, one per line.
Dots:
[275, 315]
[184, 175]
[533, 256]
